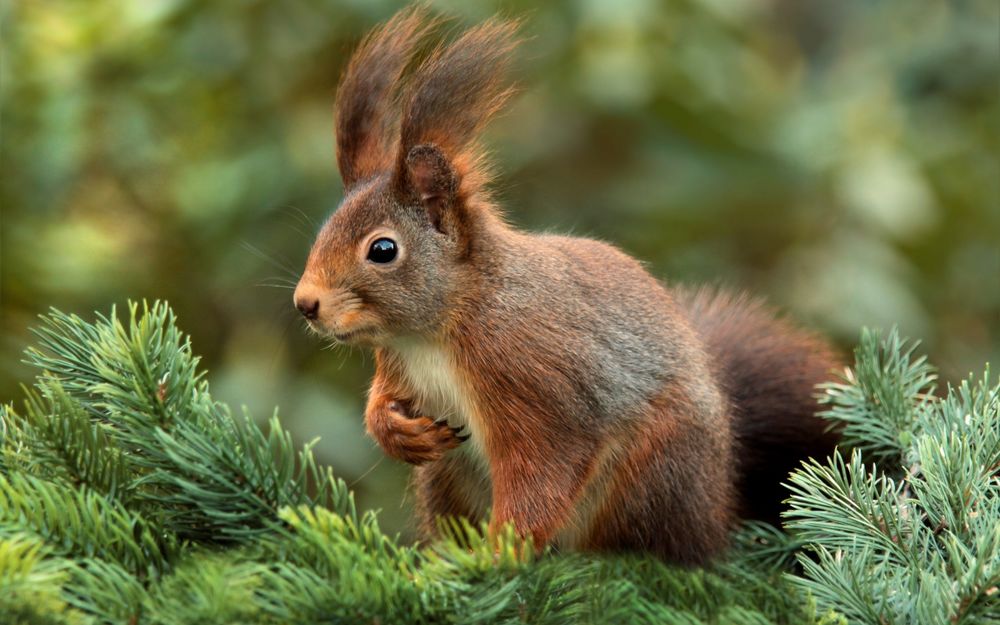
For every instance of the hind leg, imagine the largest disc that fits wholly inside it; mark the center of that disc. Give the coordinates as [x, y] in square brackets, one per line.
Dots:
[455, 486]
[671, 495]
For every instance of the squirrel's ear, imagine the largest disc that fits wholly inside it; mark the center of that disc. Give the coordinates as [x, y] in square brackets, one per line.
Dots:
[431, 178]
[450, 96]
[365, 114]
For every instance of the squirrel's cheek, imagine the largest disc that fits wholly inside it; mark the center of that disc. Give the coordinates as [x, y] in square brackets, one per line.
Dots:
[349, 319]
[358, 320]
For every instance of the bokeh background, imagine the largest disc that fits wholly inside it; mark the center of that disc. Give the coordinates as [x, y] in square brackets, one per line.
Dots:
[839, 157]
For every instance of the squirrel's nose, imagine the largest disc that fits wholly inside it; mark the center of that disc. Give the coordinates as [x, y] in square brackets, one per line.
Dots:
[307, 302]
[308, 307]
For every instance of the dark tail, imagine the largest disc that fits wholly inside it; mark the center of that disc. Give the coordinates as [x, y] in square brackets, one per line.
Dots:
[769, 369]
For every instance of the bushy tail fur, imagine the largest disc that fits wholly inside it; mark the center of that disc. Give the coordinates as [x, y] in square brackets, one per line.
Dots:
[769, 369]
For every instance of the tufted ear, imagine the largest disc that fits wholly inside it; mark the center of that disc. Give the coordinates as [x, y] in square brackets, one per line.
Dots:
[431, 178]
[365, 112]
[450, 97]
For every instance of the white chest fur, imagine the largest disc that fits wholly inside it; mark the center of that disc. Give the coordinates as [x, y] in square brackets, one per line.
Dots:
[438, 387]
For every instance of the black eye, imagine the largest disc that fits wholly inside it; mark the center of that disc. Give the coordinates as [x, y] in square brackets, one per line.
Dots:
[382, 251]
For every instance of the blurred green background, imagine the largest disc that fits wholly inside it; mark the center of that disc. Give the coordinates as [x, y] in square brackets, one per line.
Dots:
[838, 157]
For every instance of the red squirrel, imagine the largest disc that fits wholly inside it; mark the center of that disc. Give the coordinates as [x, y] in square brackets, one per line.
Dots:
[602, 409]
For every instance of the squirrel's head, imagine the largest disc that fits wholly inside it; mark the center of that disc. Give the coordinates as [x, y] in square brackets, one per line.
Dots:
[392, 257]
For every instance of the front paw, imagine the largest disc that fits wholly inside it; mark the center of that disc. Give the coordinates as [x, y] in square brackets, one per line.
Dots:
[415, 440]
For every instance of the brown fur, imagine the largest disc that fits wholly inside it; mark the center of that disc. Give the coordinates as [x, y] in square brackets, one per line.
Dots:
[605, 411]
[458, 89]
[768, 369]
[403, 434]
[364, 117]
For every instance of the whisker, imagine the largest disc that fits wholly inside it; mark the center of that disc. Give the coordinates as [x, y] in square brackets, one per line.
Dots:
[280, 279]
[284, 266]
[278, 282]
[365, 474]
[305, 220]
[297, 230]
[285, 312]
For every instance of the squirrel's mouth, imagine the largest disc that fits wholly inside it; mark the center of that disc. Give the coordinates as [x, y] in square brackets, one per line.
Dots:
[352, 336]
[362, 334]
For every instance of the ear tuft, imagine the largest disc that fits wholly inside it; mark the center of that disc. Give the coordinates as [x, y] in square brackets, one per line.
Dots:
[432, 179]
[365, 115]
[453, 94]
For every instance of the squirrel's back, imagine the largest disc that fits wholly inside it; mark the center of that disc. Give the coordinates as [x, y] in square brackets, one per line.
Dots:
[768, 368]
[594, 315]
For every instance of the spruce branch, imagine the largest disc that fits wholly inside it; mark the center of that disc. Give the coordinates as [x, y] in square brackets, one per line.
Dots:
[877, 401]
[67, 445]
[212, 477]
[31, 583]
[922, 548]
[842, 503]
[128, 495]
[82, 524]
[106, 591]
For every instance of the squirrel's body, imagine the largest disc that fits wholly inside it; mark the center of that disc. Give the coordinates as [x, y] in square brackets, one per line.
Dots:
[625, 408]
[605, 410]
